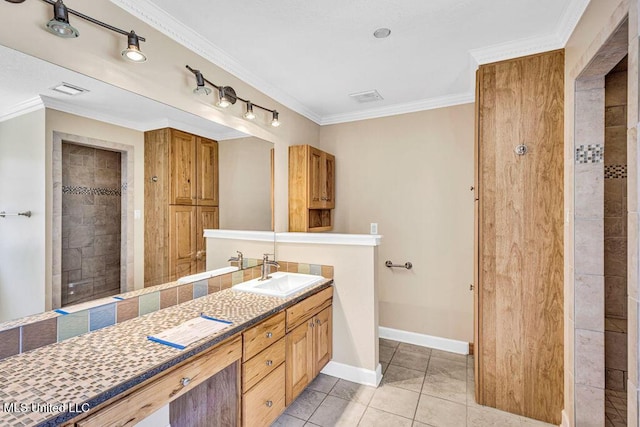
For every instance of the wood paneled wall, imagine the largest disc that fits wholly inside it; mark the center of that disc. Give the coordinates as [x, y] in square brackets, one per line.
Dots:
[519, 296]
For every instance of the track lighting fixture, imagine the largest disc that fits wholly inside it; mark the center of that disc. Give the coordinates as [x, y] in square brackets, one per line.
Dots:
[227, 96]
[200, 89]
[60, 26]
[132, 52]
[249, 115]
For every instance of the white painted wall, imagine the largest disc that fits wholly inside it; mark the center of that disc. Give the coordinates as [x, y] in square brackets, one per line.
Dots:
[22, 243]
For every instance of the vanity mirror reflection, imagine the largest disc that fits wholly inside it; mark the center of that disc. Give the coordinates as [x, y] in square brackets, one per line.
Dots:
[72, 152]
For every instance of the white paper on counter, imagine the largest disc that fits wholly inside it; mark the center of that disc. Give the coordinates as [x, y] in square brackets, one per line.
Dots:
[189, 332]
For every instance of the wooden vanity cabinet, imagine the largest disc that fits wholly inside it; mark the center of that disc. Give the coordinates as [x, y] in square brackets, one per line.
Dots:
[263, 372]
[181, 199]
[311, 189]
[309, 341]
[211, 377]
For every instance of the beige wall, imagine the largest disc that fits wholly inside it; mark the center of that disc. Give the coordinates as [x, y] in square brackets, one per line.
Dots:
[599, 20]
[355, 315]
[22, 241]
[245, 184]
[412, 175]
[163, 77]
[57, 121]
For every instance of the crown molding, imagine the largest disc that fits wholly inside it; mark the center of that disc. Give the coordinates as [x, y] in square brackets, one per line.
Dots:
[22, 108]
[168, 25]
[174, 29]
[197, 130]
[532, 45]
[570, 19]
[392, 110]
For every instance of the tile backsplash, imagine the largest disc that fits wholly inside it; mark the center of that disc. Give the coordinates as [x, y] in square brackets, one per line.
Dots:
[39, 330]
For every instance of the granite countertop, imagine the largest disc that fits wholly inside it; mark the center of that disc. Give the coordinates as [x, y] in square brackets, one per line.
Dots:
[85, 371]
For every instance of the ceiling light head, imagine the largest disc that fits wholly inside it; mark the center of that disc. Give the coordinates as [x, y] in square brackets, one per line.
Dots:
[381, 33]
[275, 122]
[249, 115]
[200, 89]
[59, 24]
[227, 96]
[133, 52]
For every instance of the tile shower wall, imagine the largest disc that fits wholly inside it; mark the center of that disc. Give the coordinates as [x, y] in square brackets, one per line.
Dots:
[615, 228]
[91, 223]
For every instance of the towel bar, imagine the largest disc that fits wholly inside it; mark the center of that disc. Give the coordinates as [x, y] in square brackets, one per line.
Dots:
[406, 265]
[25, 213]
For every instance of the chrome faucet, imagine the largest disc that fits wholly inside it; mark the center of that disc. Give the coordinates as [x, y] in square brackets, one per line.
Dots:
[237, 259]
[266, 267]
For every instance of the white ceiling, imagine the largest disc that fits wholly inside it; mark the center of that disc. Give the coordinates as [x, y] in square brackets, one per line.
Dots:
[26, 82]
[311, 55]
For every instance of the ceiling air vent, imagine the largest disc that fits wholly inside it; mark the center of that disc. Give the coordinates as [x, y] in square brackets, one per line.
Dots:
[367, 96]
[68, 89]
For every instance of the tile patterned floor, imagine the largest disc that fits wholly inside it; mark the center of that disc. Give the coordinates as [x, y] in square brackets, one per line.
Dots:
[615, 408]
[420, 387]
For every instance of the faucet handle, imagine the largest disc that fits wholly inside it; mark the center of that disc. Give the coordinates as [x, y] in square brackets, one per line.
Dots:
[266, 257]
[239, 253]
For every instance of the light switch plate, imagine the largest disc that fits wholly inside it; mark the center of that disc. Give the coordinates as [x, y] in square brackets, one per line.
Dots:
[374, 228]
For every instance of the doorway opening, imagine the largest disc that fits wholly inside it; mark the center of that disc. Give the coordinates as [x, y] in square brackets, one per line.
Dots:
[91, 223]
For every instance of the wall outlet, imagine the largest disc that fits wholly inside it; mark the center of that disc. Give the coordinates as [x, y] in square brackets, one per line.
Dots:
[374, 228]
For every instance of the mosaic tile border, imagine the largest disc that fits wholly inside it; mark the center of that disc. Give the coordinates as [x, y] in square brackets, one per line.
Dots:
[51, 327]
[69, 189]
[615, 171]
[592, 153]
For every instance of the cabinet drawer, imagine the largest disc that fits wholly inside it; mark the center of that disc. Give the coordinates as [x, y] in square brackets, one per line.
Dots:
[132, 409]
[265, 402]
[262, 364]
[263, 335]
[308, 307]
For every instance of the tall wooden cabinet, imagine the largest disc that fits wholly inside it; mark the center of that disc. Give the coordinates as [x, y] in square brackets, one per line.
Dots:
[519, 236]
[181, 200]
[311, 188]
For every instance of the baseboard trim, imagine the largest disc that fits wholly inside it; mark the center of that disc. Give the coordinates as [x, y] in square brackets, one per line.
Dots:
[353, 373]
[445, 344]
[565, 420]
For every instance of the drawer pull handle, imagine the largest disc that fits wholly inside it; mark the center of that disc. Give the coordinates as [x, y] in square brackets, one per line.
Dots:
[269, 362]
[269, 403]
[185, 381]
[269, 334]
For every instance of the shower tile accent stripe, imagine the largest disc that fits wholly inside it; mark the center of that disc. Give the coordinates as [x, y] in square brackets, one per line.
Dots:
[615, 171]
[592, 153]
[69, 189]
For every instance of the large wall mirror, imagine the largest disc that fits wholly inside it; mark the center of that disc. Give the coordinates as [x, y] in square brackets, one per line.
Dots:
[72, 153]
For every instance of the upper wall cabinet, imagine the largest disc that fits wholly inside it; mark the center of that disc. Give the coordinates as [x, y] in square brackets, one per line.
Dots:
[180, 200]
[193, 167]
[311, 188]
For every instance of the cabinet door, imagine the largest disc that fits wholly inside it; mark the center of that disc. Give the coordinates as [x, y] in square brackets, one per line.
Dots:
[322, 339]
[182, 168]
[299, 360]
[207, 172]
[315, 177]
[206, 218]
[182, 241]
[328, 181]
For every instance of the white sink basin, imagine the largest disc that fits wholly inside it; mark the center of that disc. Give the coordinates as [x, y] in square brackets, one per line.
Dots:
[280, 285]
